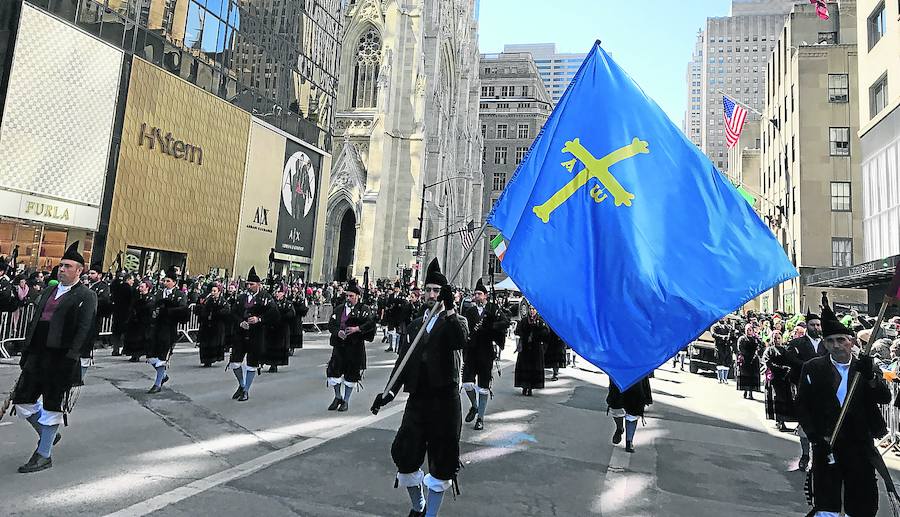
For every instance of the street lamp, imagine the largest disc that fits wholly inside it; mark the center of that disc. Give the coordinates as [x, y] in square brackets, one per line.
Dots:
[418, 234]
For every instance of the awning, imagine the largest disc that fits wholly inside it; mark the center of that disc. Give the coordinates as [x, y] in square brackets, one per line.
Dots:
[860, 276]
[506, 285]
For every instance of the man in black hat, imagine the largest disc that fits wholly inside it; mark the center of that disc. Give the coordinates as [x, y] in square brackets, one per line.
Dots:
[50, 363]
[487, 328]
[352, 323]
[104, 303]
[799, 351]
[396, 314]
[432, 420]
[846, 468]
[173, 309]
[255, 312]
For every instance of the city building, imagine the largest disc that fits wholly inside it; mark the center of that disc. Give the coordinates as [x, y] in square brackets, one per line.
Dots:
[557, 69]
[407, 167]
[810, 183]
[878, 84]
[514, 106]
[691, 125]
[153, 119]
[736, 49]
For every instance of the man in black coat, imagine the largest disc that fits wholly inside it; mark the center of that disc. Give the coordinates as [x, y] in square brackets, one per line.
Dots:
[843, 474]
[123, 295]
[432, 421]
[51, 353]
[351, 324]
[104, 305]
[799, 351]
[173, 309]
[255, 311]
[487, 328]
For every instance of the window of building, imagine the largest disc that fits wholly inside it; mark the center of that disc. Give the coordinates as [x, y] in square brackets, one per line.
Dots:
[483, 130]
[506, 91]
[500, 156]
[878, 96]
[522, 131]
[839, 138]
[840, 196]
[494, 263]
[876, 25]
[520, 154]
[838, 88]
[487, 91]
[841, 251]
[526, 91]
[499, 180]
[502, 105]
[524, 104]
[484, 106]
[502, 130]
[365, 72]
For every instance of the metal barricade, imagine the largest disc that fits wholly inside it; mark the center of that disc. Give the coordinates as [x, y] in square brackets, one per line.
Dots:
[12, 329]
[192, 325]
[106, 325]
[318, 316]
[891, 415]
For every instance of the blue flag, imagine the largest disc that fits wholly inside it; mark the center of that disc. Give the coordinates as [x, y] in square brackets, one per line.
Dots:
[622, 234]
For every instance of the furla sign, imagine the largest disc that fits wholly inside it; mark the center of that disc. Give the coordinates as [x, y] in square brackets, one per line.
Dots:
[154, 137]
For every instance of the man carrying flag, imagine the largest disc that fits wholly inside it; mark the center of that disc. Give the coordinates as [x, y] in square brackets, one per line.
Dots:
[604, 198]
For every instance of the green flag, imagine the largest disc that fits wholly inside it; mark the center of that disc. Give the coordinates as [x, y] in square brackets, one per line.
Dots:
[748, 196]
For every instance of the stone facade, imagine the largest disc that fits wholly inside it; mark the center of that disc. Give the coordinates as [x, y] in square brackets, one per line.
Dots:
[407, 117]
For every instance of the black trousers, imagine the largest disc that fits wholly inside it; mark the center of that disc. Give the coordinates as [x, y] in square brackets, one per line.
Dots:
[245, 346]
[346, 361]
[850, 480]
[478, 367]
[431, 424]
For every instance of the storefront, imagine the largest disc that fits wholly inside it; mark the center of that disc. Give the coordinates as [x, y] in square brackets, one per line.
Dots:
[54, 139]
[179, 178]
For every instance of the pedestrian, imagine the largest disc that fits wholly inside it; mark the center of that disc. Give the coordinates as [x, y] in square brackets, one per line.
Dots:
[141, 329]
[172, 309]
[722, 334]
[487, 333]
[61, 325]
[253, 310]
[533, 335]
[123, 295]
[351, 324]
[626, 408]
[301, 309]
[799, 351]
[432, 421]
[104, 310]
[278, 344]
[779, 393]
[555, 354]
[843, 473]
[213, 312]
[749, 351]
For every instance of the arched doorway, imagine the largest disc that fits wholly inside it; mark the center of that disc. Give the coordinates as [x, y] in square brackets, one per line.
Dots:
[346, 246]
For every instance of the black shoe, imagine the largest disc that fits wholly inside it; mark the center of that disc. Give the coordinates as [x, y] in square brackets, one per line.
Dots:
[154, 389]
[165, 380]
[344, 406]
[116, 353]
[617, 437]
[473, 412]
[804, 463]
[273, 369]
[629, 447]
[479, 425]
[780, 426]
[336, 403]
[413, 513]
[389, 349]
[134, 359]
[524, 392]
[36, 463]
[554, 378]
[238, 393]
[57, 438]
[244, 396]
[207, 365]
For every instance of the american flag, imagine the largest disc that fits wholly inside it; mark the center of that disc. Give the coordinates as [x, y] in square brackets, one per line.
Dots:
[821, 8]
[468, 235]
[735, 115]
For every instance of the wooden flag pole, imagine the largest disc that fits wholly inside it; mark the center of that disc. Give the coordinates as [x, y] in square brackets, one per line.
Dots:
[889, 298]
[436, 308]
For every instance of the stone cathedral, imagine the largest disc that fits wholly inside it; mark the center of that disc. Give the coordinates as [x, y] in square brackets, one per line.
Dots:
[406, 118]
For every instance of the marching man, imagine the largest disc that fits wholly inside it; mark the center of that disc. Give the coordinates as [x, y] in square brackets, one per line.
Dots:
[351, 324]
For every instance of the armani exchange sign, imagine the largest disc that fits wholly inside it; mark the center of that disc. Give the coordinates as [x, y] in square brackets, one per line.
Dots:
[170, 145]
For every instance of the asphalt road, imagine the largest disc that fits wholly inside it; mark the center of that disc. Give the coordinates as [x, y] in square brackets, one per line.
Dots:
[191, 450]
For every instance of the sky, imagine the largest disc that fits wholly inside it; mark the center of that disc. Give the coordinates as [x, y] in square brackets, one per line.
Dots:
[652, 40]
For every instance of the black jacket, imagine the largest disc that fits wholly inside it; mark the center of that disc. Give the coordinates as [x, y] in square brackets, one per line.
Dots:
[104, 299]
[70, 327]
[436, 357]
[360, 316]
[818, 406]
[633, 400]
[799, 351]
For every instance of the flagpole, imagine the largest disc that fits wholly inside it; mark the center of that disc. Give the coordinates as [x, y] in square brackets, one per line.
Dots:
[436, 308]
[748, 108]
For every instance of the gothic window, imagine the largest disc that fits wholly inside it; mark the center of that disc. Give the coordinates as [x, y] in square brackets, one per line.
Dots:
[365, 72]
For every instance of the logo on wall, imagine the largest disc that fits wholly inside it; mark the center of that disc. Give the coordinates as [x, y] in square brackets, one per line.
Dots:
[297, 211]
[260, 220]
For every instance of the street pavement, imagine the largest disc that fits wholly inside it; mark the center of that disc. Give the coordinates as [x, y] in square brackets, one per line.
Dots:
[191, 450]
